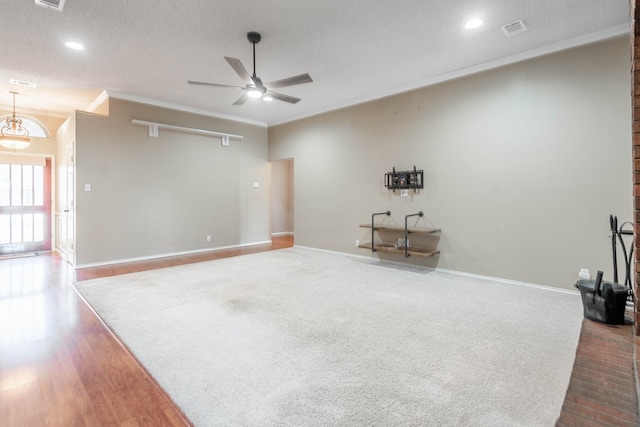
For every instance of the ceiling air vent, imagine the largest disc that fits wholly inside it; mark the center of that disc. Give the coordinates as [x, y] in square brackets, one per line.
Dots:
[22, 83]
[51, 4]
[514, 28]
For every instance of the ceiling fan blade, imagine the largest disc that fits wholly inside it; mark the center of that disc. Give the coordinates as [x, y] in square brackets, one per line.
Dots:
[192, 82]
[242, 99]
[283, 97]
[240, 70]
[290, 81]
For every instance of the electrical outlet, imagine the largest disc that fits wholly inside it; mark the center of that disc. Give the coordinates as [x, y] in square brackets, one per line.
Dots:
[208, 238]
[169, 242]
[357, 243]
[584, 274]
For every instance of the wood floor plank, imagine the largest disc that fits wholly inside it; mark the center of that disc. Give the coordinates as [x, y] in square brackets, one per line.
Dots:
[602, 390]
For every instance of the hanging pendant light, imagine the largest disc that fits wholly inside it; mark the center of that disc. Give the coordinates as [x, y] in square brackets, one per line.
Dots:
[12, 135]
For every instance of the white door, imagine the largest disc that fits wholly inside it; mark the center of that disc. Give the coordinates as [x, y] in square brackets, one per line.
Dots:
[66, 194]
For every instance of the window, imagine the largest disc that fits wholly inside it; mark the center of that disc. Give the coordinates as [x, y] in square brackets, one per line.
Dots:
[33, 126]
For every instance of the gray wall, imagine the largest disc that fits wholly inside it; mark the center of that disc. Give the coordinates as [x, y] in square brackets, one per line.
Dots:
[156, 196]
[523, 165]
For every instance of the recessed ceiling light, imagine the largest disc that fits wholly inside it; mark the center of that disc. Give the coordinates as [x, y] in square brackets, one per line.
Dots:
[473, 23]
[74, 45]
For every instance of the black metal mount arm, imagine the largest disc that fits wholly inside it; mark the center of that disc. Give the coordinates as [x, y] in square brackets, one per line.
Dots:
[373, 228]
[406, 232]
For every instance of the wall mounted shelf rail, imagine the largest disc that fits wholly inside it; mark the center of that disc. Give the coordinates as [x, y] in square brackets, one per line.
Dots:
[154, 128]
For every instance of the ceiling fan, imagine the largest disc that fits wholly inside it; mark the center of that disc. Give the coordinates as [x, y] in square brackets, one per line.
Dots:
[254, 88]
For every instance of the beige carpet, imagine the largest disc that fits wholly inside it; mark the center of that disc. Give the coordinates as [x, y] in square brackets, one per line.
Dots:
[299, 337]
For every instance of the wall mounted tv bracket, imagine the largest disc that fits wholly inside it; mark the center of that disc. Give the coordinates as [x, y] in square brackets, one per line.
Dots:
[402, 180]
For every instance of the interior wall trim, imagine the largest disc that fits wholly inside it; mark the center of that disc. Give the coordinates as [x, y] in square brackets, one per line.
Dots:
[167, 255]
[177, 107]
[444, 270]
[606, 34]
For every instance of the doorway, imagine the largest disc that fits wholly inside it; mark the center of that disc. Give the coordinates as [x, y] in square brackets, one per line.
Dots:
[25, 207]
[282, 215]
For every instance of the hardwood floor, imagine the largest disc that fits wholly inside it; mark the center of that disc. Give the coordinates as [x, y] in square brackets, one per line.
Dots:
[60, 366]
[603, 388]
[278, 242]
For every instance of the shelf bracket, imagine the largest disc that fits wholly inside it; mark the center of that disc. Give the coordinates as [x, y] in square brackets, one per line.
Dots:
[406, 232]
[373, 228]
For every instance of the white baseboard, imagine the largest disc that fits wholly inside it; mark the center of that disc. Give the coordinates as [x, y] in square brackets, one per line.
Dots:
[509, 281]
[167, 255]
[444, 270]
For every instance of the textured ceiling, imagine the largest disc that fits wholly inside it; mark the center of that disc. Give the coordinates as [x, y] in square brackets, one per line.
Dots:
[354, 50]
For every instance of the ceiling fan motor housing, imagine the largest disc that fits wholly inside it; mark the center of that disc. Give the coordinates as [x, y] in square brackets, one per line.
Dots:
[253, 37]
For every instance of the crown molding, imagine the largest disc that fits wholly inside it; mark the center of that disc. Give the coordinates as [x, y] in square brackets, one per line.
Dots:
[587, 39]
[184, 108]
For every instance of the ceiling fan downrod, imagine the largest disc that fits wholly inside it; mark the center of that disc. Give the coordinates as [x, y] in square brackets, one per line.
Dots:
[254, 38]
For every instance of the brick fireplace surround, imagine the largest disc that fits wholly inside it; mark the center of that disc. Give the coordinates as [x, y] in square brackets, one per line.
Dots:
[635, 95]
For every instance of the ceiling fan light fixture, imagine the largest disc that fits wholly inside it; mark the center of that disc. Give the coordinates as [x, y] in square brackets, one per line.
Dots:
[256, 91]
[267, 98]
[12, 135]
